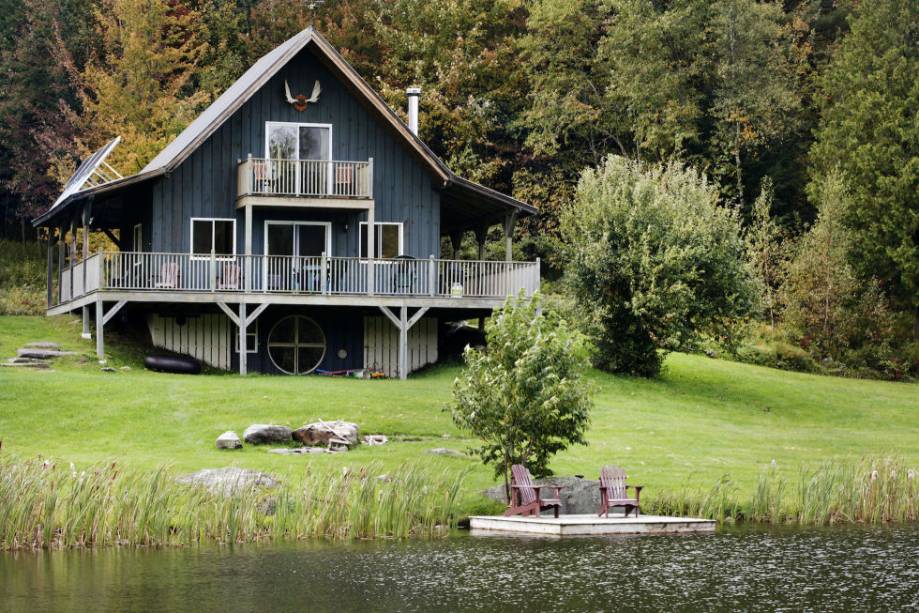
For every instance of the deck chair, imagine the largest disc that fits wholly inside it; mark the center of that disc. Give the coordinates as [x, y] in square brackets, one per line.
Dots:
[169, 276]
[229, 276]
[525, 496]
[613, 491]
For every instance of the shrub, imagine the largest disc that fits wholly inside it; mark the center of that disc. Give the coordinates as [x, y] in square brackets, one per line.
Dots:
[653, 261]
[524, 395]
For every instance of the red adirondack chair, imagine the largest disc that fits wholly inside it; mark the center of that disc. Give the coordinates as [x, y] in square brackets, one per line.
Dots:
[613, 491]
[525, 495]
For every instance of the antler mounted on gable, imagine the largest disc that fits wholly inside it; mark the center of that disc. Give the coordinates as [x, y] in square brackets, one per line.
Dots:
[300, 102]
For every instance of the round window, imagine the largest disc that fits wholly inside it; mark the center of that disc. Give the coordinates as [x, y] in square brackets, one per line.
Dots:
[296, 345]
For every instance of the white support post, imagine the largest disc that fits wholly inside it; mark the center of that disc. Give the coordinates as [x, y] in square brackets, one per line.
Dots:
[86, 335]
[85, 222]
[247, 269]
[432, 275]
[324, 274]
[509, 220]
[213, 270]
[243, 324]
[371, 249]
[100, 323]
[403, 343]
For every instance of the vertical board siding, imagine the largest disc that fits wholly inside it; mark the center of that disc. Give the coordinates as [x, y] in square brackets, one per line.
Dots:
[204, 185]
[204, 337]
[381, 345]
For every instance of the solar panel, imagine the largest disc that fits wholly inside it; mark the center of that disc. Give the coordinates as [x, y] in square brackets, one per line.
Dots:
[91, 173]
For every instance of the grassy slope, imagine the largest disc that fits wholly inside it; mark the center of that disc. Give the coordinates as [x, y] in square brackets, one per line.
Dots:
[703, 419]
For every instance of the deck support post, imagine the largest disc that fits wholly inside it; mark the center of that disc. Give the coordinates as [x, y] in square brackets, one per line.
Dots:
[243, 354]
[403, 324]
[86, 335]
[480, 235]
[85, 216]
[73, 253]
[371, 248]
[247, 269]
[100, 324]
[510, 219]
[52, 240]
[456, 242]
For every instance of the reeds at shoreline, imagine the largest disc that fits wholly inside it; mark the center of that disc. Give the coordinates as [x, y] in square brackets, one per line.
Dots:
[47, 505]
[869, 491]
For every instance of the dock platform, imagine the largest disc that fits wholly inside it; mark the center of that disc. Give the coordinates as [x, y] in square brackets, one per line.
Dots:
[587, 525]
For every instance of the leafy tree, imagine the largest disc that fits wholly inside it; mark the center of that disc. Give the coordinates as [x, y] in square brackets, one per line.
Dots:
[868, 128]
[524, 395]
[829, 310]
[653, 260]
[142, 88]
[768, 251]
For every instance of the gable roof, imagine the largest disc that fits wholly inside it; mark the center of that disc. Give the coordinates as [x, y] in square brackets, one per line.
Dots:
[205, 124]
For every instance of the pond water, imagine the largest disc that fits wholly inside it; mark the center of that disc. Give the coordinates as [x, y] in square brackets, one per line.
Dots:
[827, 569]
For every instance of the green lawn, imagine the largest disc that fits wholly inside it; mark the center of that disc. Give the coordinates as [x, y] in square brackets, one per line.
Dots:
[703, 419]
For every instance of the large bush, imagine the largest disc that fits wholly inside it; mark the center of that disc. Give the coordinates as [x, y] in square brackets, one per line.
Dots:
[524, 395]
[653, 260]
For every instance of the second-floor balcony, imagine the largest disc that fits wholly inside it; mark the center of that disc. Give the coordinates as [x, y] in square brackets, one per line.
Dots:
[305, 178]
[458, 281]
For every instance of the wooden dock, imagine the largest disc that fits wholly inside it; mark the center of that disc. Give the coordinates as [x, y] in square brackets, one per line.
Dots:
[588, 525]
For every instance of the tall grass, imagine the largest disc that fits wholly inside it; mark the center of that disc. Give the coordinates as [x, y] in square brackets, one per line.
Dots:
[867, 491]
[45, 505]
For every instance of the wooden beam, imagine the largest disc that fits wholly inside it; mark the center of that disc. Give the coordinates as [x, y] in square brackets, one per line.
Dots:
[113, 311]
[391, 316]
[229, 312]
[418, 315]
[112, 238]
[258, 311]
[509, 220]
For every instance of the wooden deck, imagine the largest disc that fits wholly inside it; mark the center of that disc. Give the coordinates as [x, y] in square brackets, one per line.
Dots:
[588, 525]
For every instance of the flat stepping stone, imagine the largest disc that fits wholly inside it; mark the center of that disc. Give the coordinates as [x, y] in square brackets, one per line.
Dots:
[42, 354]
[43, 345]
[21, 363]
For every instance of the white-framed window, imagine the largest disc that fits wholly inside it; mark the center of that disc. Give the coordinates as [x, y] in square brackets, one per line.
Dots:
[213, 234]
[251, 339]
[298, 141]
[137, 238]
[388, 239]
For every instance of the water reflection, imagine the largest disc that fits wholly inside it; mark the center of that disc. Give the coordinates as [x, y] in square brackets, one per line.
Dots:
[850, 569]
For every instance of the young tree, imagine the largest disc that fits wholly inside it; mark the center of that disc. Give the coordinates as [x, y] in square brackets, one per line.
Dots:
[767, 250]
[524, 395]
[829, 310]
[653, 260]
[868, 128]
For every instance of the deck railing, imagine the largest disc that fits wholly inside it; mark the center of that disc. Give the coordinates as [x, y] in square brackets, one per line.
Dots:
[182, 272]
[308, 178]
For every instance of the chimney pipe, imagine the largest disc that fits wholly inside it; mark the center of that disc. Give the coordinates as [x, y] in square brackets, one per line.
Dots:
[413, 94]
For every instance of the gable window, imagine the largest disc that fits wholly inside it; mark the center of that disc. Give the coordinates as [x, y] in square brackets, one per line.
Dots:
[211, 234]
[137, 238]
[388, 239]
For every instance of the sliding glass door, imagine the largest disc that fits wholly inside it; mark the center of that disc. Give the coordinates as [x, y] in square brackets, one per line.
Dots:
[300, 156]
[299, 246]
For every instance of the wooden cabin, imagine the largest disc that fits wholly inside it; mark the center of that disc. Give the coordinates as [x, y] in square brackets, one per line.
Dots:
[294, 226]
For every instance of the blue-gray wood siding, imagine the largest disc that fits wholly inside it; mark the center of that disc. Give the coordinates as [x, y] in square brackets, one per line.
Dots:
[204, 185]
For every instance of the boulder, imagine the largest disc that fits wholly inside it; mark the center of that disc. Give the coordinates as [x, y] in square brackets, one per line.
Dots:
[374, 439]
[259, 434]
[229, 440]
[579, 496]
[42, 354]
[328, 433]
[453, 453]
[43, 345]
[228, 480]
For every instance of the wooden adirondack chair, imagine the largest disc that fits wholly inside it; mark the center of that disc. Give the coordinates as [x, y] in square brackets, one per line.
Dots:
[613, 491]
[169, 276]
[525, 496]
[229, 278]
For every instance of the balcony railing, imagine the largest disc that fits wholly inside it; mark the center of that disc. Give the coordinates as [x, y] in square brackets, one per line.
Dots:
[305, 178]
[324, 275]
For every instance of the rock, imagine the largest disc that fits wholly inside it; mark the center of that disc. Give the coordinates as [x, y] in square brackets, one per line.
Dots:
[42, 354]
[579, 496]
[453, 453]
[259, 434]
[229, 440]
[375, 439]
[299, 450]
[329, 433]
[43, 345]
[107, 369]
[228, 480]
[25, 363]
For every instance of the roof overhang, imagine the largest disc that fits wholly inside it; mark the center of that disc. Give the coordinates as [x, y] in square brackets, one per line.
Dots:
[108, 189]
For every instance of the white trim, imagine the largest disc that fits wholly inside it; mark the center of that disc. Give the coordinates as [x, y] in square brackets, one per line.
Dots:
[283, 222]
[379, 242]
[248, 334]
[191, 238]
[134, 241]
